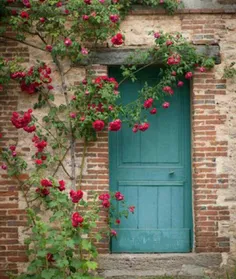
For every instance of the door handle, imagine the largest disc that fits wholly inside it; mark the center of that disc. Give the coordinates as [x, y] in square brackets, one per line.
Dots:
[171, 172]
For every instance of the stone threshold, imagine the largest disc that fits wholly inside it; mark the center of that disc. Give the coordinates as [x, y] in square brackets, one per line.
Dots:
[189, 265]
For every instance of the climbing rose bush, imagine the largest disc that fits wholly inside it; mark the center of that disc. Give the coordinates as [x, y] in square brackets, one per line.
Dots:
[65, 243]
[179, 59]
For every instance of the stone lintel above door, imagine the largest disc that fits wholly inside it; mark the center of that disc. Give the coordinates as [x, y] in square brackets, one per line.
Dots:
[118, 56]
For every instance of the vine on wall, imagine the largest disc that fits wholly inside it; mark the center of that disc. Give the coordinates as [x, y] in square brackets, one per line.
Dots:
[63, 244]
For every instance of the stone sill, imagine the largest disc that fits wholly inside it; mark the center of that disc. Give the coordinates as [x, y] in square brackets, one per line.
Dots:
[191, 265]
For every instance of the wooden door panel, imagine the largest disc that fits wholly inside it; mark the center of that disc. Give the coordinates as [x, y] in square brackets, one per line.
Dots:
[143, 241]
[152, 169]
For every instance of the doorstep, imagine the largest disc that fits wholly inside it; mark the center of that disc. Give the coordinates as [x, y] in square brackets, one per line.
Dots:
[189, 265]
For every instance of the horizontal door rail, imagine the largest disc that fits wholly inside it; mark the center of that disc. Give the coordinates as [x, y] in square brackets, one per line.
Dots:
[151, 183]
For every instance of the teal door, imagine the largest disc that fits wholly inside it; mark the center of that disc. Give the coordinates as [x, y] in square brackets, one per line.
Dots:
[153, 171]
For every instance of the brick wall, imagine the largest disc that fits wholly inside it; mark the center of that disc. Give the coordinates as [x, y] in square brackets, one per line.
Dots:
[213, 136]
[97, 173]
[206, 150]
[11, 216]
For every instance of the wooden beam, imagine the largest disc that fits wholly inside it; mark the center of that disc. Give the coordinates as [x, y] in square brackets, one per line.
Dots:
[118, 56]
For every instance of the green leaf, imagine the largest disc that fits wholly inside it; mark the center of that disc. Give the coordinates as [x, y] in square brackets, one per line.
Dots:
[98, 236]
[58, 214]
[92, 265]
[86, 244]
[70, 243]
[42, 253]
[51, 97]
[48, 273]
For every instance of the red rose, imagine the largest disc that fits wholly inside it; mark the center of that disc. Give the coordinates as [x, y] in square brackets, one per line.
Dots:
[119, 196]
[26, 3]
[43, 191]
[157, 35]
[168, 89]
[165, 105]
[84, 81]
[59, 4]
[21, 122]
[188, 75]
[174, 59]
[103, 197]
[50, 258]
[169, 43]
[14, 12]
[72, 115]
[42, 19]
[43, 157]
[113, 233]
[143, 127]
[88, 2]
[29, 88]
[38, 162]
[180, 83]
[117, 39]
[76, 196]
[85, 17]
[24, 14]
[4, 167]
[12, 147]
[118, 221]
[41, 145]
[62, 185]
[67, 42]
[114, 18]
[100, 107]
[30, 129]
[49, 48]
[153, 111]
[115, 125]
[106, 203]
[98, 125]
[114, 81]
[17, 75]
[46, 183]
[148, 103]
[135, 128]
[202, 69]
[131, 208]
[76, 219]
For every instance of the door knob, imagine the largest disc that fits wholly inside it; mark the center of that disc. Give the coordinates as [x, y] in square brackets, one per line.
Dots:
[171, 172]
